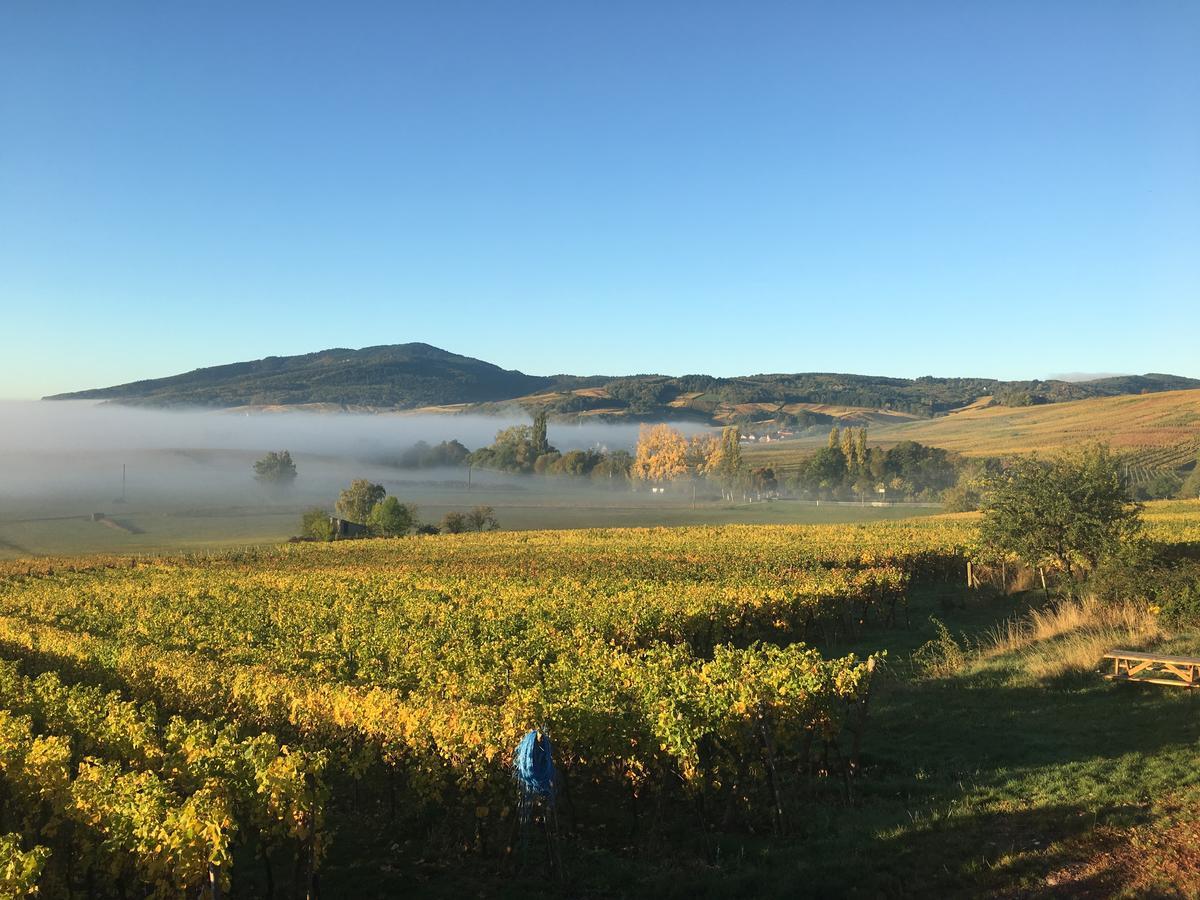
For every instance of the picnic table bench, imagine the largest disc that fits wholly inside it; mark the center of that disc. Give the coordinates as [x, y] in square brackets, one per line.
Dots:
[1154, 668]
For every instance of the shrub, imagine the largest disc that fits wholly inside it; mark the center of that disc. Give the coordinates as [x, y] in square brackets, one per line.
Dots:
[1169, 588]
[482, 518]
[963, 497]
[454, 523]
[1190, 489]
[1162, 486]
[316, 524]
[943, 655]
[1179, 596]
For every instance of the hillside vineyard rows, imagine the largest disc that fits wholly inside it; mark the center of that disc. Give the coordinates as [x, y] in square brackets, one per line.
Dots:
[187, 723]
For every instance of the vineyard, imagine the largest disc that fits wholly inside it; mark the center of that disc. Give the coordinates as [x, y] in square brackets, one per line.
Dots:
[1129, 424]
[1144, 465]
[1152, 433]
[196, 725]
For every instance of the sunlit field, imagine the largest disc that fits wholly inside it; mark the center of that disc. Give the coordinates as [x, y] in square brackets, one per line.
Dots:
[595, 451]
[1157, 430]
[771, 702]
[218, 519]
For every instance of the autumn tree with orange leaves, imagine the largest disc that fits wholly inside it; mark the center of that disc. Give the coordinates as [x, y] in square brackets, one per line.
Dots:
[664, 454]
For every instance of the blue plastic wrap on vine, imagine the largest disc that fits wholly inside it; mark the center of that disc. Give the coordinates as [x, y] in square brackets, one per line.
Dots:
[533, 765]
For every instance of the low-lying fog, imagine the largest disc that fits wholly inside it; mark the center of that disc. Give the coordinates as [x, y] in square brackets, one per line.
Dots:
[65, 457]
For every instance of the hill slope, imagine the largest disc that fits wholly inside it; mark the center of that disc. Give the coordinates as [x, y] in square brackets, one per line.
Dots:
[1154, 432]
[415, 376]
[1131, 423]
[396, 376]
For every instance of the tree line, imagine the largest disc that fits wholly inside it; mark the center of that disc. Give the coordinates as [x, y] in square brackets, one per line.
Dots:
[846, 468]
[526, 450]
[368, 506]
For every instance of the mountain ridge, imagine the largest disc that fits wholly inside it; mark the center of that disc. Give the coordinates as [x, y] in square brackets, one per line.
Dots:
[420, 376]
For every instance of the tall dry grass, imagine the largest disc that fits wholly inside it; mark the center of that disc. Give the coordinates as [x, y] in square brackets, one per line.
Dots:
[1072, 636]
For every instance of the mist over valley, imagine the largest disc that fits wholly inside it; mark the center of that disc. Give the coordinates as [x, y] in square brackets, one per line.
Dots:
[188, 480]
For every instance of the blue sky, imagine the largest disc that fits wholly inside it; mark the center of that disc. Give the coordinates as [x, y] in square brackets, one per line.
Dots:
[1004, 189]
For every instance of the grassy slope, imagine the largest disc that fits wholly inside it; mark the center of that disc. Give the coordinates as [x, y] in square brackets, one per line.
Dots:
[1002, 779]
[682, 406]
[1164, 425]
[1128, 423]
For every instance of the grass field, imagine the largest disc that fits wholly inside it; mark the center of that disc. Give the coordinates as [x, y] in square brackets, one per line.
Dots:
[1002, 779]
[194, 522]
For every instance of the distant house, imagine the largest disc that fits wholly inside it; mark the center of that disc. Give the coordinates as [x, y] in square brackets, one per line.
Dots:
[343, 528]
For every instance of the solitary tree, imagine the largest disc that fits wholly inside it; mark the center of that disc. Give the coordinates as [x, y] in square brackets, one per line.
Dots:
[1066, 511]
[356, 502]
[275, 468]
[662, 454]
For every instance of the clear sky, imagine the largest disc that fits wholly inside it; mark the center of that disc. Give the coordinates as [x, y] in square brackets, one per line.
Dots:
[1006, 189]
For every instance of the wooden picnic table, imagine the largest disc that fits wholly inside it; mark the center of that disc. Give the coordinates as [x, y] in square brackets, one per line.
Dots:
[1154, 668]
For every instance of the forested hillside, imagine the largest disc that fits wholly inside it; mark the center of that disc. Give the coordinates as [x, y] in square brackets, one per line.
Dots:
[413, 376]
